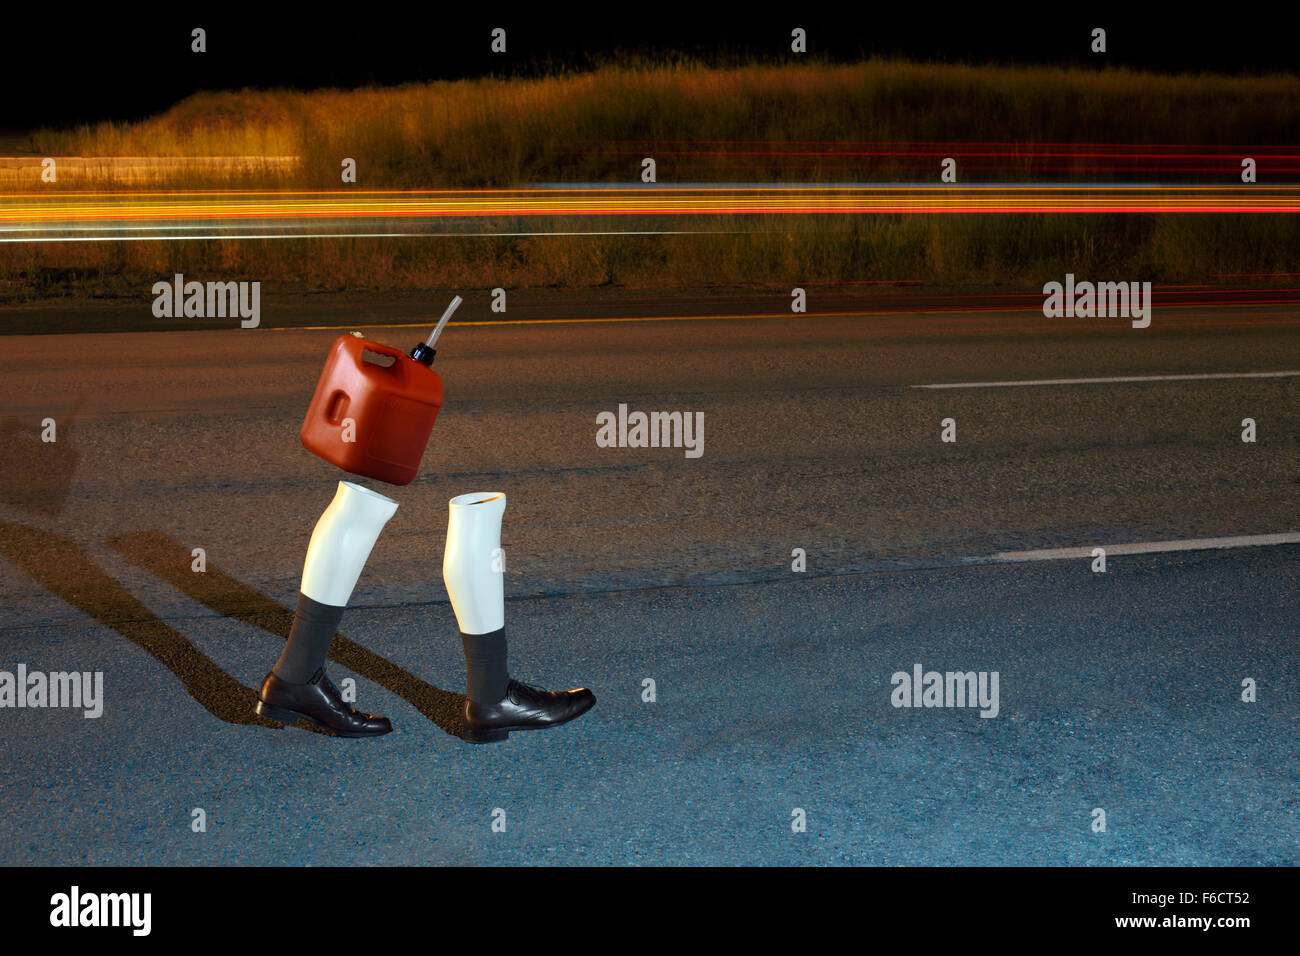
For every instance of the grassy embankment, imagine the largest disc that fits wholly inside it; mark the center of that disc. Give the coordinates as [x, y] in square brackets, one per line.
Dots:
[595, 127]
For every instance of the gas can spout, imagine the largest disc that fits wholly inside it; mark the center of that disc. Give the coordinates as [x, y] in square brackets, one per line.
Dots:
[425, 351]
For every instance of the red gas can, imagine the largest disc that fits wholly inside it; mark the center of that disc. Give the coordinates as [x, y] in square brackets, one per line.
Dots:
[369, 416]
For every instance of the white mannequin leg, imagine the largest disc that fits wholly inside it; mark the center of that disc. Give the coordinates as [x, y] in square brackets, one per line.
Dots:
[471, 561]
[342, 541]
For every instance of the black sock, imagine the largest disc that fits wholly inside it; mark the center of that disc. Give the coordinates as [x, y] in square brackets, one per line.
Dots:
[485, 666]
[314, 626]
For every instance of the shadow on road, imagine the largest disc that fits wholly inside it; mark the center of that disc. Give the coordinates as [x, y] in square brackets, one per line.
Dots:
[36, 475]
[169, 560]
[61, 567]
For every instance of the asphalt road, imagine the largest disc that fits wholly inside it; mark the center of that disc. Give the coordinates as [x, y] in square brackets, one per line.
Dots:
[1120, 691]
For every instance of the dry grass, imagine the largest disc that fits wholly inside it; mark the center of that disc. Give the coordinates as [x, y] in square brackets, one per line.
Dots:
[495, 132]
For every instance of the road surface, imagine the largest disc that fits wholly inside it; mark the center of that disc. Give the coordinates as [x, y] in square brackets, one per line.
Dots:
[1119, 691]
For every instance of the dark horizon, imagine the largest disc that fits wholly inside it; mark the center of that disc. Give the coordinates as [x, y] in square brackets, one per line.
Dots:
[116, 70]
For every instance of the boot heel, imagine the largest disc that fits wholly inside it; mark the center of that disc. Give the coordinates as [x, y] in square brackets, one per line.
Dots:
[485, 736]
[277, 713]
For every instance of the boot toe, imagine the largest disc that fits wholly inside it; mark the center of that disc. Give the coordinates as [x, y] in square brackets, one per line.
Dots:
[581, 700]
[374, 725]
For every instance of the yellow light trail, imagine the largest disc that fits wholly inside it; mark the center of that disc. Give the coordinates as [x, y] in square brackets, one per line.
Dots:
[88, 212]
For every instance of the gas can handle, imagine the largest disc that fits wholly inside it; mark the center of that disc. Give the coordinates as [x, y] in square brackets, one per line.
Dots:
[382, 349]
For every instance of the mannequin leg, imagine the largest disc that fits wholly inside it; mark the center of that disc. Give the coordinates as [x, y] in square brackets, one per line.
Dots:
[340, 546]
[473, 570]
